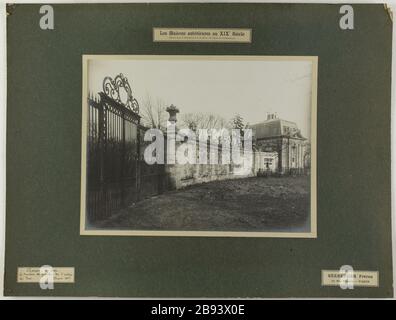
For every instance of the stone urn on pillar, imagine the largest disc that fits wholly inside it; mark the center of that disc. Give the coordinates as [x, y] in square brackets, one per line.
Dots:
[173, 111]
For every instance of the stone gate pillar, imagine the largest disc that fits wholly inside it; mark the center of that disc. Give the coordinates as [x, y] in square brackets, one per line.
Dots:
[171, 168]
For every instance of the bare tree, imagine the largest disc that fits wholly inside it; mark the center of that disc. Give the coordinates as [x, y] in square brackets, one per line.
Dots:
[153, 112]
[199, 120]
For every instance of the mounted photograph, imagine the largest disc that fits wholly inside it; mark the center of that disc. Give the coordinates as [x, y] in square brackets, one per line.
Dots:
[221, 146]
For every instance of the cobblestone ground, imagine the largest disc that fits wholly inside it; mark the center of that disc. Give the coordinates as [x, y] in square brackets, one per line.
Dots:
[249, 204]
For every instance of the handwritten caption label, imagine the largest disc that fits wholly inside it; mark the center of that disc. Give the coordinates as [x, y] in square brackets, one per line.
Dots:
[33, 275]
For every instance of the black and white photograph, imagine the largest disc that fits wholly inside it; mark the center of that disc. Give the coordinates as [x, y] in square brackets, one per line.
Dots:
[196, 151]
[199, 146]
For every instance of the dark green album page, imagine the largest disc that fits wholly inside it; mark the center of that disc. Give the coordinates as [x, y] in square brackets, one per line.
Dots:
[48, 222]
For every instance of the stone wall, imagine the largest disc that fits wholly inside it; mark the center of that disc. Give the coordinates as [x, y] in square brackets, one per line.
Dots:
[182, 175]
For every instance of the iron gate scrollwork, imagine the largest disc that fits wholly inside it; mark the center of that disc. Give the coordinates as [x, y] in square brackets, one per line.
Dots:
[112, 89]
[115, 166]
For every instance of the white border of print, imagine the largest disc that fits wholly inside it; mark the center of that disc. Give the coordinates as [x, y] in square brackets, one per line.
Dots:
[101, 232]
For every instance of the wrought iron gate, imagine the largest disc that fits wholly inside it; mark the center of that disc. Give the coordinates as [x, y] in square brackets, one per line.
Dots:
[116, 170]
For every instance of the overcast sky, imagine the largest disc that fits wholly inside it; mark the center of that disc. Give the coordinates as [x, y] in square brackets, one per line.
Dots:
[227, 87]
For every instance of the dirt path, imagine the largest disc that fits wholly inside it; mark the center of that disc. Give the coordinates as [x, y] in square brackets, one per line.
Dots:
[250, 204]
